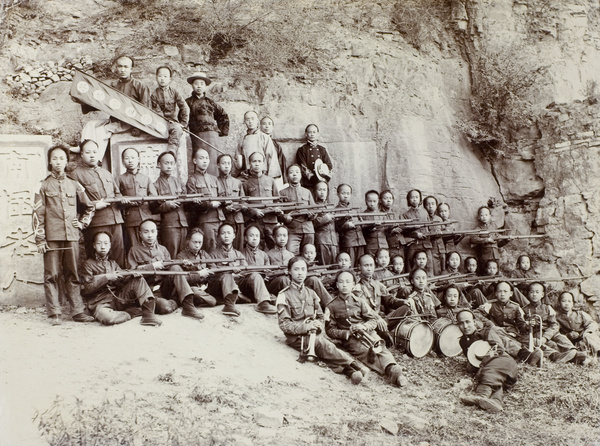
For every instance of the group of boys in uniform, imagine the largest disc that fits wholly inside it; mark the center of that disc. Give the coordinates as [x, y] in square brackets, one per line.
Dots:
[216, 247]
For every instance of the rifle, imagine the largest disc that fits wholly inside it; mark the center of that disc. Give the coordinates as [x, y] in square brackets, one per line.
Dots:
[296, 211]
[187, 198]
[519, 237]
[397, 276]
[447, 279]
[381, 222]
[490, 279]
[146, 272]
[246, 269]
[463, 233]
[200, 261]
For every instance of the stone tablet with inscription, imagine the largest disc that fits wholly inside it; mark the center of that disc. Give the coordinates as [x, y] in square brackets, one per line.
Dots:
[22, 167]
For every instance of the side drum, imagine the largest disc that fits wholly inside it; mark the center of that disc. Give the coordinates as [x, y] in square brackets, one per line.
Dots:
[447, 336]
[415, 336]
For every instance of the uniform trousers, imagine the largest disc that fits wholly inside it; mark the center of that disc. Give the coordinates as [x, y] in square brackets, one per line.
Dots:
[62, 263]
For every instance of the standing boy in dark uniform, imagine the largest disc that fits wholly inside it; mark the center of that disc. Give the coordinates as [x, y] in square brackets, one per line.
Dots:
[57, 225]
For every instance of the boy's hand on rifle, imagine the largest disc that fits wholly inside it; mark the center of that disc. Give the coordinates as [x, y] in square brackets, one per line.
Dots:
[311, 216]
[215, 204]
[158, 265]
[349, 225]
[77, 224]
[101, 204]
[188, 262]
[327, 218]
[381, 324]
[136, 275]
[571, 335]
[396, 230]
[111, 277]
[259, 214]
[42, 248]
[203, 273]
[287, 218]
[174, 204]
[420, 235]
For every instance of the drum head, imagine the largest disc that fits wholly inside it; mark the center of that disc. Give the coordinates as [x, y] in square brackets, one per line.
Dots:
[420, 340]
[477, 350]
[448, 341]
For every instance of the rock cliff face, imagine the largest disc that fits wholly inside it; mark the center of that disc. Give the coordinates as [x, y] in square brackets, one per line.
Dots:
[387, 112]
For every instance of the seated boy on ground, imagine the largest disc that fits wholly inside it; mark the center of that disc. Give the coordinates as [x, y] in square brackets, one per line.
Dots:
[113, 297]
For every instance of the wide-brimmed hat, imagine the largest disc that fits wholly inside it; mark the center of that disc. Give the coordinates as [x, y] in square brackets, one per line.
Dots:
[198, 75]
[322, 170]
[477, 350]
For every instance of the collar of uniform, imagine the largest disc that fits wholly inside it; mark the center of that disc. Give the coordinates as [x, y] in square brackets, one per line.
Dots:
[317, 201]
[61, 176]
[164, 176]
[279, 248]
[364, 279]
[255, 174]
[252, 249]
[150, 245]
[294, 186]
[196, 95]
[252, 131]
[313, 144]
[196, 256]
[134, 171]
[126, 81]
[224, 175]
[343, 205]
[201, 172]
[535, 305]
[227, 250]
[101, 259]
[297, 286]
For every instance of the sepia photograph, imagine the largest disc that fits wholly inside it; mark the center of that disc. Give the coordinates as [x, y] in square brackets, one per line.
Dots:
[299, 222]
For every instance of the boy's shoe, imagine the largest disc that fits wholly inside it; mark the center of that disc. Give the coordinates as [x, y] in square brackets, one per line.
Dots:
[360, 368]
[82, 317]
[229, 307]
[356, 377]
[266, 307]
[471, 399]
[165, 306]
[561, 358]
[535, 357]
[396, 376]
[148, 316]
[581, 358]
[134, 312]
[188, 308]
[490, 405]
[55, 320]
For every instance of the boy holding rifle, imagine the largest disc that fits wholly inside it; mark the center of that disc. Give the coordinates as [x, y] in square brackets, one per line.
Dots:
[149, 256]
[206, 214]
[111, 296]
[228, 186]
[260, 185]
[251, 284]
[300, 318]
[301, 229]
[173, 222]
[133, 183]
[99, 184]
[353, 322]
[57, 230]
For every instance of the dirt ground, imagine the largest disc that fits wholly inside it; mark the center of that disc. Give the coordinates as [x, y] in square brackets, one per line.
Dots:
[191, 382]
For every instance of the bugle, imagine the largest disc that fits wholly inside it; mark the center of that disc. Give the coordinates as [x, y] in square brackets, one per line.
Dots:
[370, 341]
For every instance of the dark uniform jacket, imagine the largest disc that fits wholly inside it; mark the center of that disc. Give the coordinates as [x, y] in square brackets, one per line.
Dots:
[170, 185]
[348, 310]
[98, 184]
[142, 256]
[294, 305]
[300, 224]
[55, 208]
[206, 184]
[349, 237]
[261, 186]
[324, 231]
[227, 186]
[165, 102]
[98, 289]
[509, 316]
[136, 185]
[206, 115]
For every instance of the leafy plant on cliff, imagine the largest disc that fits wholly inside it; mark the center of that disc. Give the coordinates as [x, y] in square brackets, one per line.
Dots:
[502, 84]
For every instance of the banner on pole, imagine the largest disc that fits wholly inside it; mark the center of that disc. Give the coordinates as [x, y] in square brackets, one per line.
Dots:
[91, 91]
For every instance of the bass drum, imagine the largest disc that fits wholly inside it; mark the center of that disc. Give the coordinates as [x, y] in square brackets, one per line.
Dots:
[415, 336]
[447, 336]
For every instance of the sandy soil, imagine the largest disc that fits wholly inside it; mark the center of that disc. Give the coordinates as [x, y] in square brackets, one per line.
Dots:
[221, 370]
